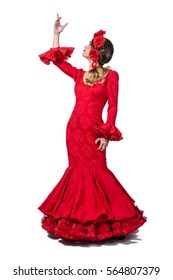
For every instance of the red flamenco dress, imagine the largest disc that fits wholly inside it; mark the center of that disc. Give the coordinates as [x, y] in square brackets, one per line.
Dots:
[89, 202]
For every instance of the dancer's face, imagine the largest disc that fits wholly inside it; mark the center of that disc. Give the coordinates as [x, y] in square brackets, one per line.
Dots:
[86, 50]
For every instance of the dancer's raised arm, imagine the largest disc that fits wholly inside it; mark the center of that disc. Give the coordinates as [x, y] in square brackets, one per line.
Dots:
[58, 55]
[58, 28]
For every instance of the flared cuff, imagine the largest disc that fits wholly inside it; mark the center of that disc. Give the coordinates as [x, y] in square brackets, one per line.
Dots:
[108, 131]
[56, 54]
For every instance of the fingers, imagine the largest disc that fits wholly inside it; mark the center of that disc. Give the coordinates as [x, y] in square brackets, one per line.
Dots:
[103, 143]
[58, 17]
[57, 21]
[65, 24]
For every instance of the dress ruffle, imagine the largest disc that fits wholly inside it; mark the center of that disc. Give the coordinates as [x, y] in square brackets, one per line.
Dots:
[90, 204]
[56, 54]
[108, 131]
[74, 230]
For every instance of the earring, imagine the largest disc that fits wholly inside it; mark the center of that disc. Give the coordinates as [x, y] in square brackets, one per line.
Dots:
[94, 64]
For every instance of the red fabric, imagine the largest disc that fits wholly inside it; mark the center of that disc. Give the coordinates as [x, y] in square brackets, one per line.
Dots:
[55, 54]
[89, 202]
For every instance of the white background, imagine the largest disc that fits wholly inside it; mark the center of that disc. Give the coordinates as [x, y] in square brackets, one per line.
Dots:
[35, 104]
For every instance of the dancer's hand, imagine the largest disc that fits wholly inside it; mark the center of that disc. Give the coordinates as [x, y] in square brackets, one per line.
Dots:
[58, 27]
[103, 143]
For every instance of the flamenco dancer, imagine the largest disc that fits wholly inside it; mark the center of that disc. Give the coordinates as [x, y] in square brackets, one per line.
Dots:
[89, 203]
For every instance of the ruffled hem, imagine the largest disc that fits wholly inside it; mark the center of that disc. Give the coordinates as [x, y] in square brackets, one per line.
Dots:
[74, 230]
[109, 132]
[56, 54]
[90, 204]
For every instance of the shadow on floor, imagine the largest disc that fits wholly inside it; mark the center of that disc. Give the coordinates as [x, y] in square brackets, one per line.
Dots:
[131, 238]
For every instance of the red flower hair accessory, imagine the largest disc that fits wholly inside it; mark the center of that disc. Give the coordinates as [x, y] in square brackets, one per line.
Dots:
[99, 40]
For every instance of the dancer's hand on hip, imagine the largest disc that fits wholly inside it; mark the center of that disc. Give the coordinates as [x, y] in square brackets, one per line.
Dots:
[103, 143]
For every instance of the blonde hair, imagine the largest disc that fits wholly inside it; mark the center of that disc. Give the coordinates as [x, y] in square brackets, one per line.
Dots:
[98, 73]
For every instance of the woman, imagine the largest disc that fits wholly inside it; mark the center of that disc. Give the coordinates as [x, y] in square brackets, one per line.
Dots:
[89, 202]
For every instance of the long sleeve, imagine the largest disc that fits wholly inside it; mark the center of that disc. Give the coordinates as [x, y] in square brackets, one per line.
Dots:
[59, 56]
[108, 129]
